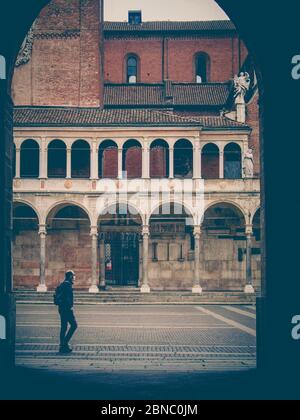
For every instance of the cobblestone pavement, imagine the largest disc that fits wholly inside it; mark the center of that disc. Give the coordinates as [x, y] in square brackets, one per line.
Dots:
[134, 338]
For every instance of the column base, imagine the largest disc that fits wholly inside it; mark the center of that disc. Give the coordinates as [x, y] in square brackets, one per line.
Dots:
[197, 290]
[145, 289]
[94, 289]
[42, 288]
[249, 290]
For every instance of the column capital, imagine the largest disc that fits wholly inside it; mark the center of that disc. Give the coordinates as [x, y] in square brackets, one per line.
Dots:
[145, 231]
[94, 231]
[249, 230]
[197, 231]
[42, 230]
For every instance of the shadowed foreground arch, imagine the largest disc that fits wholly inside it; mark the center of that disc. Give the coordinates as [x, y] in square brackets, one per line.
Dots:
[14, 28]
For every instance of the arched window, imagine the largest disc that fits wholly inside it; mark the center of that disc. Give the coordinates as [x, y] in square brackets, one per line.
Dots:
[30, 159]
[232, 161]
[81, 159]
[57, 159]
[132, 159]
[202, 63]
[132, 69]
[257, 225]
[108, 160]
[210, 162]
[183, 159]
[159, 159]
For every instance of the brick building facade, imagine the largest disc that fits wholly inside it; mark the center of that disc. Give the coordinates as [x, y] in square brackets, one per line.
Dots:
[147, 108]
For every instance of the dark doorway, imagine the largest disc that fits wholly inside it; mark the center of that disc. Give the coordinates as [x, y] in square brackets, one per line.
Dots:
[122, 259]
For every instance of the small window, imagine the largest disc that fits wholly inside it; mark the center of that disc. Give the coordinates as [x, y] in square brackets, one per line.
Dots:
[202, 68]
[132, 70]
[135, 17]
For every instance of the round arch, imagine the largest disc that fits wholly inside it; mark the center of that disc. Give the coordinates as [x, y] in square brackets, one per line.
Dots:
[62, 204]
[24, 203]
[108, 159]
[132, 158]
[159, 159]
[115, 206]
[186, 207]
[57, 159]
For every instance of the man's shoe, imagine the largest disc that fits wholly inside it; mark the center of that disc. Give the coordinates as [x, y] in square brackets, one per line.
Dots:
[65, 350]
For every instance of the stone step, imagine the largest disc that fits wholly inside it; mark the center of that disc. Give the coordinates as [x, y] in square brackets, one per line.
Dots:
[138, 298]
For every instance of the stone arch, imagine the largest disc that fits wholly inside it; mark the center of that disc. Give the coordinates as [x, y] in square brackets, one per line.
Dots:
[57, 159]
[210, 157]
[132, 159]
[224, 218]
[23, 202]
[165, 203]
[81, 159]
[30, 159]
[183, 159]
[108, 159]
[159, 159]
[232, 161]
[65, 203]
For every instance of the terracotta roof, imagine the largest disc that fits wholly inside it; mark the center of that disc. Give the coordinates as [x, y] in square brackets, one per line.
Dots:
[166, 26]
[95, 117]
[177, 94]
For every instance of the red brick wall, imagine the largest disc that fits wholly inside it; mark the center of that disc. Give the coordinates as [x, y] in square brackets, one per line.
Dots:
[66, 250]
[133, 162]
[64, 68]
[149, 52]
[110, 163]
[158, 162]
[179, 58]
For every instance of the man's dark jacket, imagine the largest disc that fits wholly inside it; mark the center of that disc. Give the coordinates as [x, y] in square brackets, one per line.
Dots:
[67, 298]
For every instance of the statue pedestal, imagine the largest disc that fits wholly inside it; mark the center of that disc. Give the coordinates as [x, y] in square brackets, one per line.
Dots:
[197, 290]
[145, 289]
[42, 288]
[94, 289]
[249, 290]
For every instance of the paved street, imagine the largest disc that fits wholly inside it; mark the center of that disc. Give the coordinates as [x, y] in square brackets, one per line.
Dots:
[140, 338]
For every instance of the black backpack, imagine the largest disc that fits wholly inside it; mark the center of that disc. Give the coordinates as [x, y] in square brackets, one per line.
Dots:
[58, 295]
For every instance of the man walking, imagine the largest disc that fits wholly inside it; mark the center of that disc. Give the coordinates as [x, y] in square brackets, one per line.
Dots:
[63, 298]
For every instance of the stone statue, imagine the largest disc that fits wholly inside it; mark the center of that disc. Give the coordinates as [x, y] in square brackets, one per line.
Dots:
[248, 164]
[241, 87]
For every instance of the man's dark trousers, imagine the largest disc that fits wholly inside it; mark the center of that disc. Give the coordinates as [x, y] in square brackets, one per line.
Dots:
[67, 317]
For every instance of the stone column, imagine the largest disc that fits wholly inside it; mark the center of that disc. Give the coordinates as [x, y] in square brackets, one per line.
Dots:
[140, 262]
[221, 164]
[146, 162]
[145, 286]
[249, 289]
[43, 160]
[69, 162]
[197, 289]
[120, 163]
[42, 288]
[94, 235]
[102, 264]
[171, 162]
[94, 161]
[18, 162]
[196, 160]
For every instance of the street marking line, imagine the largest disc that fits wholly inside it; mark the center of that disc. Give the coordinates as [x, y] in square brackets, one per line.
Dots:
[152, 327]
[230, 322]
[239, 311]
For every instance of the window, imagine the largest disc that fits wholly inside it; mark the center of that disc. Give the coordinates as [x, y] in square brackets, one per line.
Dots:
[232, 161]
[30, 159]
[202, 68]
[57, 159]
[81, 159]
[132, 69]
[135, 17]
